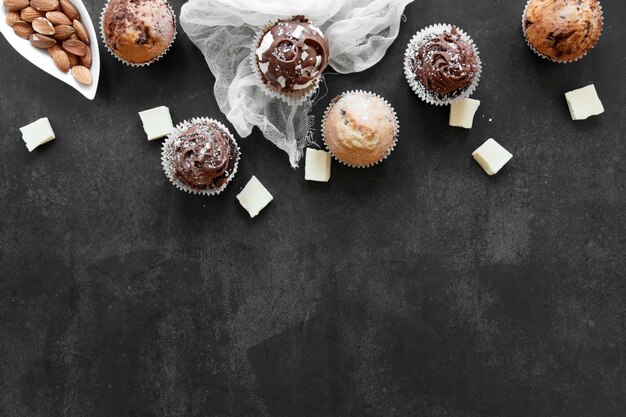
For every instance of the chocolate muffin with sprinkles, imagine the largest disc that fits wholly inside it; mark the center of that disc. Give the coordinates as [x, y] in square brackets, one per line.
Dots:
[442, 64]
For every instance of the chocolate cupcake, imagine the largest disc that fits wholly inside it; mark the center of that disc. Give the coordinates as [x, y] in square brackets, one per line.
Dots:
[562, 30]
[201, 156]
[441, 64]
[360, 129]
[138, 32]
[289, 58]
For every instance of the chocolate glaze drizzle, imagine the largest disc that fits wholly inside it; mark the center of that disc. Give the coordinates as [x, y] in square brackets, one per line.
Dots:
[292, 54]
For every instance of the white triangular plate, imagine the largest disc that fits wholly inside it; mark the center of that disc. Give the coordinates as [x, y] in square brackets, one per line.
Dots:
[41, 59]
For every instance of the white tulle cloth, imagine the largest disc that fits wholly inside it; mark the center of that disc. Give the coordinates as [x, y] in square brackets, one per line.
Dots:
[359, 33]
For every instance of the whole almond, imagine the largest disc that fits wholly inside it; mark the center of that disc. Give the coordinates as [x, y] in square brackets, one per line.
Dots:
[29, 14]
[60, 58]
[63, 32]
[43, 26]
[12, 17]
[23, 29]
[41, 41]
[44, 5]
[58, 18]
[86, 59]
[82, 74]
[73, 59]
[15, 5]
[70, 11]
[81, 31]
[75, 47]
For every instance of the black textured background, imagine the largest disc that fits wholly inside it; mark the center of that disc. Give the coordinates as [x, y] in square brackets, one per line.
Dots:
[420, 287]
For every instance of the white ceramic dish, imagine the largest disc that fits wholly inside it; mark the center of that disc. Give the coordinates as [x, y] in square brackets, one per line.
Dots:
[41, 59]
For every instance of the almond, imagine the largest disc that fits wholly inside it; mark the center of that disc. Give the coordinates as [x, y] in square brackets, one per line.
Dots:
[43, 26]
[74, 37]
[86, 59]
[60, 58]
[58, 18]
[23, 29]
[15, 5]
[82, 74]
[73, 59]
[63, 32]
[41, 41]
[81, 31]
[12, 17]
[29, 14]
[44, 5]
[70, 11]
[75, 47]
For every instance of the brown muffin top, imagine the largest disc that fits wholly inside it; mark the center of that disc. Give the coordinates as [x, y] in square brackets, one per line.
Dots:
[360, 129]
[138, 31]
[563, 30]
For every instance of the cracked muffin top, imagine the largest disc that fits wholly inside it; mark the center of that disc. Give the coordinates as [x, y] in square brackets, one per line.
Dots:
[360, 129]
[138, 31]
[563, 30]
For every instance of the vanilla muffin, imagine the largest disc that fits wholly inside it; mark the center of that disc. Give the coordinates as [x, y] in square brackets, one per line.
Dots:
[360, 129]
[138, 31]
[562, 30]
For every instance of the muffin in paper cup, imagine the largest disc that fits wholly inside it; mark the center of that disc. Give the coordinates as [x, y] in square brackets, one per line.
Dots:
[283, 69]
[360, 129]
[127, 38]
[200, 156]
[454, 75]
[553, 20]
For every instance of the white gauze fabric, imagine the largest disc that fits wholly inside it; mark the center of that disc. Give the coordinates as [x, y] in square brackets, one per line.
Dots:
[358, 31]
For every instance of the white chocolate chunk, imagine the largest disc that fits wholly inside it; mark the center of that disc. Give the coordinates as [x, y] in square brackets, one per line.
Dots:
[297, 32]
[264, 66]
[282, 81]
[318, 61]
[315, 28]
[254, 197]
[157, 122]
[37, 133]
[462, 112]
[303, 86]
[584, 103]
[317, 165]
[491, 156]
[304, 55]
[266, 43]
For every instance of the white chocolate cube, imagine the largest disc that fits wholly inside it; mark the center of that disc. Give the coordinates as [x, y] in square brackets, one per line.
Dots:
[317, 165]
[37, 133]
[254, 197]
[157, 122]
[584, 103]
[462, 112]
[491, 156]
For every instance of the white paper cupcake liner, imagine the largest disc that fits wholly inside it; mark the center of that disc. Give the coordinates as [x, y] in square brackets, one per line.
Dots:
[135, 64]
[415, 84]
[169, 170]
[552, 59]
[395, 138]
[293, 99]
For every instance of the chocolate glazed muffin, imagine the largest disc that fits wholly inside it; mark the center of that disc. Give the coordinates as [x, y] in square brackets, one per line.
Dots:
[563, 30]
[202, 155]
[138, 31]
[292, 55]
[445, 64]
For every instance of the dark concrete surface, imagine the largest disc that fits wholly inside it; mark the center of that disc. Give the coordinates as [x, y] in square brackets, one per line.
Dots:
[420, 287]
